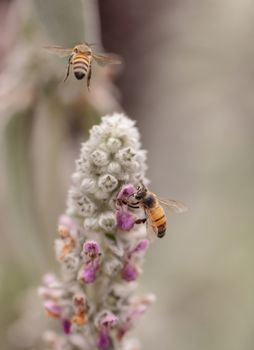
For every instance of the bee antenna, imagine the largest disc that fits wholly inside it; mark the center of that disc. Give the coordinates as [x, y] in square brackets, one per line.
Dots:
[142, 185]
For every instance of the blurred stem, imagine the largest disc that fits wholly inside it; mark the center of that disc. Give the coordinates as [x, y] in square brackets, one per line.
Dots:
[17, 142]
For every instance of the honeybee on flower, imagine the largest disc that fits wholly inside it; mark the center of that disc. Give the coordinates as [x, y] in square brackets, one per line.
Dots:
[141, 197]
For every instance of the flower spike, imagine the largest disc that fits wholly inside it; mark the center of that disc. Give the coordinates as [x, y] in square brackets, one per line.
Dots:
[99, 246]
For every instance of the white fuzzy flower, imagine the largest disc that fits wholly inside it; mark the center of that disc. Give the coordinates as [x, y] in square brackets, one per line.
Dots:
[99, 157]
[112, 266]
[113, 144]
[91, 223]
[107, 183]
[114, 168]
[76, 178]
[117, 250]
[126, 156]
[82, 203]
[98, 261]
[107, 221]
[71, 262]
[89, 185]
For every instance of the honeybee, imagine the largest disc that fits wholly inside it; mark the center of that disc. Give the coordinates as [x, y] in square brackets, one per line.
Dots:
[81, 57]
[154, 213]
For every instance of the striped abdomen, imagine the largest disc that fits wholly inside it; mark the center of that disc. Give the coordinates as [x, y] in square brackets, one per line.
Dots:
[159, 219]
[81, 65]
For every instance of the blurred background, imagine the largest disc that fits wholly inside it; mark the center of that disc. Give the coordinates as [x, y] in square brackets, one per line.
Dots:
[188, 80]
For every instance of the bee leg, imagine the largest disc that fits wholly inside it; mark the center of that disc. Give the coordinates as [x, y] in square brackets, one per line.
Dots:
[140, 221]
[89, 78]
[68, 69]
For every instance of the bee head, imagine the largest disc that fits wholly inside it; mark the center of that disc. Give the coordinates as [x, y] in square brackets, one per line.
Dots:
[141, 192]
[82, 48]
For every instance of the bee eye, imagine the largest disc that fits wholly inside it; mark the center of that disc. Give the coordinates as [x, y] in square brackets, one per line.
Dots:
[138, 197]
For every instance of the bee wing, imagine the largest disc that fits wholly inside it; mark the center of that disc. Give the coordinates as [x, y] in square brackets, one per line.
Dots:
[174, 205]
[58, 50]
[103, 60]
[150, 228]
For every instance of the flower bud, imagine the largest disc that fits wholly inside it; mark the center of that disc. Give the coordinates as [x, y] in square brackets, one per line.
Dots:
[114, 168]
[126, 156]
[112, 266]
[88, 185]
[91, 223]
[99, 157]
[107, 183]
[113, 144]
[107, 221]
[84, 205]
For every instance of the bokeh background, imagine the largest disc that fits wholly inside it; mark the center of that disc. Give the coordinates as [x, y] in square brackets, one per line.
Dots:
[188, 80]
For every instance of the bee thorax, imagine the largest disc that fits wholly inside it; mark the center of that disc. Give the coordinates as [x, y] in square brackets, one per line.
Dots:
[149, 201]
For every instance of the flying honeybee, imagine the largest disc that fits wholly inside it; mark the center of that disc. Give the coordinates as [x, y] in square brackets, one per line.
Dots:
[81, 57]
[154, 212]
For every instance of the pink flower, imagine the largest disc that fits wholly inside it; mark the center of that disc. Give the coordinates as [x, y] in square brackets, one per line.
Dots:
[49, 279]
[92, 249]
[66, 325]
[125, 192]
[129, 319]
[66, 224]
[130, 271]
[103, 340]
[107, 320]
[125, 220]
[141, 246]
[88, 272]
[52, 308]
